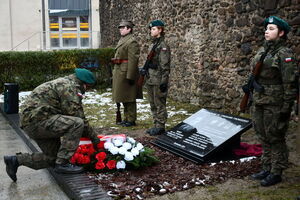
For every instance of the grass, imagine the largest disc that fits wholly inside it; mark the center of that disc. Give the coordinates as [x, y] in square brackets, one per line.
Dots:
[101, 111]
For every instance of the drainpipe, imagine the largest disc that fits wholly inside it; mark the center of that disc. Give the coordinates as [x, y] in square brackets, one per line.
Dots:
[10, 23]
[44, 26]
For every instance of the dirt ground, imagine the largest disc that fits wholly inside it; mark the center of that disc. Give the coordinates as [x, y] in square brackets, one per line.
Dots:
[173, 179]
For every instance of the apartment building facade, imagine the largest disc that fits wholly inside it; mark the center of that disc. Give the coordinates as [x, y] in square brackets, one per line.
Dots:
[32, 25]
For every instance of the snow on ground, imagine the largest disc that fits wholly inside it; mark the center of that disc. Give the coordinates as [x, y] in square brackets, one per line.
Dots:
[101, 107]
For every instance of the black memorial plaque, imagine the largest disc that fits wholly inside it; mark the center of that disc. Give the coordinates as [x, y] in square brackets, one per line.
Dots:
[204, 135]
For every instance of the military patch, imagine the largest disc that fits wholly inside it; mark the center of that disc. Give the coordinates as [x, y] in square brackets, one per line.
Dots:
[164, 49]
[288, 59]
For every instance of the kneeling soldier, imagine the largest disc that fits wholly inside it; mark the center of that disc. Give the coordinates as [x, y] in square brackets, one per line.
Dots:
[53, 117]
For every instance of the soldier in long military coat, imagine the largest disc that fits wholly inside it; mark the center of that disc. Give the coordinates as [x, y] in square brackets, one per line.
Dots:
[125, 73]
[53, 116]
[272, 106]
[157, 79]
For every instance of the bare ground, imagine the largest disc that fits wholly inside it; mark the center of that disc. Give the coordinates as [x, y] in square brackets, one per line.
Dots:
[175, 178]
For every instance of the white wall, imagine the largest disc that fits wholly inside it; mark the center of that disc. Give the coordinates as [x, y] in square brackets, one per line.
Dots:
[20, 20]
[95, 23]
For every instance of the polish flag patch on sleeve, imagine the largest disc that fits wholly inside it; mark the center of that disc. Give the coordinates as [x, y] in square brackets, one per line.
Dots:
[288, 59]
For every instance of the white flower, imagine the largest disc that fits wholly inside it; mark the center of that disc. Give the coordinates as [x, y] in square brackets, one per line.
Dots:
[128, 156]
[127, 145]
[108, 145]
[114, 150]
[130, 140]
[139, 146]
[121, 164]
[122, 150]
[117, 142]
[135, 152]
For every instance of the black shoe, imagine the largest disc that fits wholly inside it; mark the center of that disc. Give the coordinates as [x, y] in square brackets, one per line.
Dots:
[157, 131]
[68, 168]
[128, 124]
[122, 122]
[260, 175]
[271, 179]
[12, 165]
[148, 131]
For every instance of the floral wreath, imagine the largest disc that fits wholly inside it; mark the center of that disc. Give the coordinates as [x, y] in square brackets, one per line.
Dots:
[114, 152]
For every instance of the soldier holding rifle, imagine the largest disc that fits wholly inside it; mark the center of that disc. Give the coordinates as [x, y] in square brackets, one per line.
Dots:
[273, 95]
[125, 73]
[156, 72]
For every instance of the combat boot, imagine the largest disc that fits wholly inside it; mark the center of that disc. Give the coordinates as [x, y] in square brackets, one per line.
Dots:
[122, 122]
[298, 198]
[68, 169]
[12, 165]
[271, 179]
[260, 175]
[157, 131]
[128, 124]
[148, 131]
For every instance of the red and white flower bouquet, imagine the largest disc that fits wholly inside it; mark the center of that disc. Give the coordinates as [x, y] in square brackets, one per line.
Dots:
[114, 152]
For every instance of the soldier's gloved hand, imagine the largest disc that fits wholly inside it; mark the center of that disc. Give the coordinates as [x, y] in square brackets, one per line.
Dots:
[143, 72]
[163, 87]
[285, 112]
[96, 142]
[130, 82]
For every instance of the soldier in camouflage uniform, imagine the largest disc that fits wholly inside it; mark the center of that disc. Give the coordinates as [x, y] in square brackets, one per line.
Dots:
[157, 78]
[125, 73]
[272, 107]
[53, 117]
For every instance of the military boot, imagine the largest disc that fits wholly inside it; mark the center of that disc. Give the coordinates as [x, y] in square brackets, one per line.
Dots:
[68, 169]
[157, 131]
[128, 124]
[298, 198]
[148, 131]
[12, 165]
[260, 175]
[271, 179]
[122, 122]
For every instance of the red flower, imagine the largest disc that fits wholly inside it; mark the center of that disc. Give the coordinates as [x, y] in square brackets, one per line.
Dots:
[83, 159]
[74, 158]
[101, 156]
[100, 145]
[100, 165]
[111, 164]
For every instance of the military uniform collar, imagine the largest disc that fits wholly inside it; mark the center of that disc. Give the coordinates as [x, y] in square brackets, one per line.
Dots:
[274, 44]
[124, 39]
[157, 40]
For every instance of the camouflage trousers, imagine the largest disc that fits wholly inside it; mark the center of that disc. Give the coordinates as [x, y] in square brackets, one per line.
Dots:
[158, 101]
[271, 131]
[129, 111]
[58, 137]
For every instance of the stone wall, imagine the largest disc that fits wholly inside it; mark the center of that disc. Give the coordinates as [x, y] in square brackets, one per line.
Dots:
[212, 41]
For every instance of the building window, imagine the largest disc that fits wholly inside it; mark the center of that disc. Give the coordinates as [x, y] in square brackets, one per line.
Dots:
[69, 32]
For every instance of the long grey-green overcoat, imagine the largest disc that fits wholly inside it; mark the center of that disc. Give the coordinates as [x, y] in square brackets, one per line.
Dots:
[126, 49]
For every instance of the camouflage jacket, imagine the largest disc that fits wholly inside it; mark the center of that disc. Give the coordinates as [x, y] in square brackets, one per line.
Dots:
[61, 96]
[161, 61]
[278, 76]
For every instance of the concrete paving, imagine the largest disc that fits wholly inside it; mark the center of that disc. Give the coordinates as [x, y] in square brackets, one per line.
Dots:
[31, 184]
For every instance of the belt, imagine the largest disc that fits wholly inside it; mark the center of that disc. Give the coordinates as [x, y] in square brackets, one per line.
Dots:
[119, 61]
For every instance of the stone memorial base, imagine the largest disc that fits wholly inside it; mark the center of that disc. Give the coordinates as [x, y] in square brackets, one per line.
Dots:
[205, 136]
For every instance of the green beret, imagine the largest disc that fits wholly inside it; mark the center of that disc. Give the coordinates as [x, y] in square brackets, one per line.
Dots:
[85, 76]
[156, 23]
[279, 22]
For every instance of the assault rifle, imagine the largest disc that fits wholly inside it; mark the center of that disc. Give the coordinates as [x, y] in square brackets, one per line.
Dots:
[252, 84]
[148, 64]
[118, 114]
